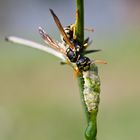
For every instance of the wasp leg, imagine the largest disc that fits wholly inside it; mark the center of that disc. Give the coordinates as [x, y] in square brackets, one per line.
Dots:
[67, 62]
[75, 68]
[73, 26]
[76, 72]
[74, 31]
[63, 63]
[86, 43]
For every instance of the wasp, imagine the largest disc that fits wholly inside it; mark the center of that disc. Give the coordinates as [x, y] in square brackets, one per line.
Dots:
[70, 31]
[70, 48]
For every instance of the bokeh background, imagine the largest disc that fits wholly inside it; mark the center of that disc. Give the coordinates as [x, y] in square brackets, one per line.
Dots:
[39, 99]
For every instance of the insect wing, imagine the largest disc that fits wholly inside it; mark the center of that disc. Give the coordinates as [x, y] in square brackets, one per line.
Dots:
[58, 23]
[50, 41]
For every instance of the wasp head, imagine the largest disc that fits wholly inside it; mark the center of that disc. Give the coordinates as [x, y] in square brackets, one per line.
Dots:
[83, 63]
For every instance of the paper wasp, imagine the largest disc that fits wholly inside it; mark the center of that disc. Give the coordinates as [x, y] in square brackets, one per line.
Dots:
[71, 34]
[70, 49]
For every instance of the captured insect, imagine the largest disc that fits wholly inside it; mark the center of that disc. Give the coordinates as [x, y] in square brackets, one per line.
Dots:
[91, 90]
[68, 49]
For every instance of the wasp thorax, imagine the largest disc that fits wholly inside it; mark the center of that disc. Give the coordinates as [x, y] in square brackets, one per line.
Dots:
[72, 55]
[83, 63]
[77, 46]
[69, 32]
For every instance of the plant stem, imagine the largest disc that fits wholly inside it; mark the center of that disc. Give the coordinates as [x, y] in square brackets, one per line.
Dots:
[80, 37]
[91, 117]
[80, 20]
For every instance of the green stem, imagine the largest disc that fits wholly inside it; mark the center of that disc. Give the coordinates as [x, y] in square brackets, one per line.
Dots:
[80, 20]
[91, 117]
[80, 37]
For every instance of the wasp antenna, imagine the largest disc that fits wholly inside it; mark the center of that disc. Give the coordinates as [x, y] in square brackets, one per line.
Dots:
[98, 62]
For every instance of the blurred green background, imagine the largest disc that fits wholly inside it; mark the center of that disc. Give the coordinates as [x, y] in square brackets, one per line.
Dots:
[39, 99]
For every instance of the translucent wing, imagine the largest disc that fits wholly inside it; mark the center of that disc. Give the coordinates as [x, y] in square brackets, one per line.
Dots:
[58, 23]
[51, 41]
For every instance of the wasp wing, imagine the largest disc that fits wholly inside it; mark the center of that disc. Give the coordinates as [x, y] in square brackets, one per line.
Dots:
[60, 27]
[51, 42]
